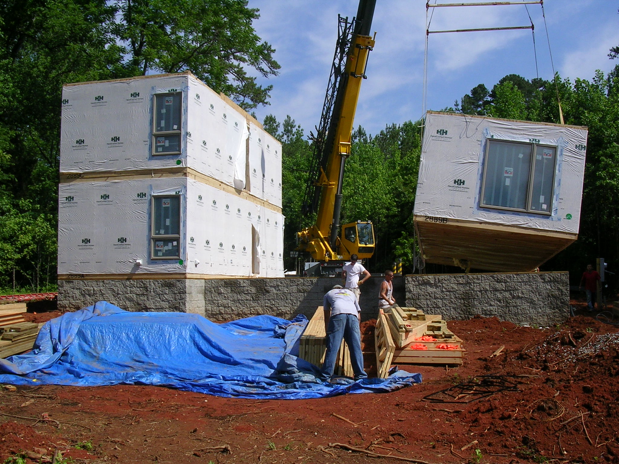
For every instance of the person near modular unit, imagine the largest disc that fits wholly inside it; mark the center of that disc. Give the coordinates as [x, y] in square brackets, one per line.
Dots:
[342, 317]
[591, 279]
[385, 295]
[354, 274]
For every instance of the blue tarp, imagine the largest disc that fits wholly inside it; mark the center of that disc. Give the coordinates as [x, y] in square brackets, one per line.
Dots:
[254, 357]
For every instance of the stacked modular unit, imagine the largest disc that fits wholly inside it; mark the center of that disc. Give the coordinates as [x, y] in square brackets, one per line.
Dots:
[156, 180]
[497, 194]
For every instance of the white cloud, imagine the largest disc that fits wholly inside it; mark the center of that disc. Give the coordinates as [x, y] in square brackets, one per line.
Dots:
[591, 55]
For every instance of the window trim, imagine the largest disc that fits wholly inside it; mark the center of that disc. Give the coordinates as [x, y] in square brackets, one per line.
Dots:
[156, 133]
[530, 184]
[164, 237]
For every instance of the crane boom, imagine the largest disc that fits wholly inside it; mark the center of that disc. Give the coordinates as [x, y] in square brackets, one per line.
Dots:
[332, 146]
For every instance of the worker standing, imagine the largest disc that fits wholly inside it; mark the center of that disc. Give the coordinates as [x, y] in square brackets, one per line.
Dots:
[591, 279]
[355, 274]
[385, 295]
[342, 317]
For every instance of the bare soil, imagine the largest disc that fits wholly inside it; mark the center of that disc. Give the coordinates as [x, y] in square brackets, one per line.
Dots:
[550, 395]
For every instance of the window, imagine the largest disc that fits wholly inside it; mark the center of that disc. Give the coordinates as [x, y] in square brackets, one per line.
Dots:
[166, 227]
[350, 233]
[518, 176]
[167, 123]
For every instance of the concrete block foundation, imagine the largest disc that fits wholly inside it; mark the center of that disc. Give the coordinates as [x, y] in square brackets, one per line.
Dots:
[540, 299]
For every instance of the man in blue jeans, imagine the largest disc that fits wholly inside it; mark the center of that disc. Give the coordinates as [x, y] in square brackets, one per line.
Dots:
[342, 316]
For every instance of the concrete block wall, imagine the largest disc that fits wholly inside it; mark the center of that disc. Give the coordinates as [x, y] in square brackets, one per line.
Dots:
[528, 298]
[525, 298]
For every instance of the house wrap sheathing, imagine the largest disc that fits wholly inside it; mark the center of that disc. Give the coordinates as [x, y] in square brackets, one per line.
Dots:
[497, 194]
[163, 178]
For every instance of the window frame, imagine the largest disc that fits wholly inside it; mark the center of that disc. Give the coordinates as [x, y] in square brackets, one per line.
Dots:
[535, 148]
[164, 237]
[160, 133]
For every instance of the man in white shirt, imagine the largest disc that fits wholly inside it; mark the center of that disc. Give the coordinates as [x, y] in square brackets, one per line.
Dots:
[355, 275]
[342, 316]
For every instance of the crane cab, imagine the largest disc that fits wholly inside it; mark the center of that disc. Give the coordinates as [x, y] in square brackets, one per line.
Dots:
[357, 238]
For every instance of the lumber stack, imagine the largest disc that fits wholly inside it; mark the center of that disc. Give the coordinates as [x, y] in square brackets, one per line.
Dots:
[422, 338]
[17, 338]
[313, 347]
[11, 318]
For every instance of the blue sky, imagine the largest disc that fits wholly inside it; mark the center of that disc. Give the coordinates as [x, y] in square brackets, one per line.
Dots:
[303, 32]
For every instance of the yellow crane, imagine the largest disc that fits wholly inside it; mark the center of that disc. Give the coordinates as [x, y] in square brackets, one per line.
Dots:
[332, 146]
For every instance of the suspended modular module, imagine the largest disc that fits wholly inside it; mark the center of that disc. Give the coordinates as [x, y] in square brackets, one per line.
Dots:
[495, 194]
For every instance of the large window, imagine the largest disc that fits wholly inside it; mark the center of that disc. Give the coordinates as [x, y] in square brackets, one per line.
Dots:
[166, 227]
[518, 176]
[167, 123]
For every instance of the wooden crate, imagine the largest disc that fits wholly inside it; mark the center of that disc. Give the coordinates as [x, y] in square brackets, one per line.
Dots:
[312, 346]
[385, 346]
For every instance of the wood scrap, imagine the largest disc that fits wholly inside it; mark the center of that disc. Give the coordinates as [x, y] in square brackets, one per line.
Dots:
[375, 455]
[498, 352]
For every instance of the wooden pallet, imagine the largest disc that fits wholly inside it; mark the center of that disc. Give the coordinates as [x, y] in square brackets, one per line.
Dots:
[17, 338]
[312, 346]
[385, 346]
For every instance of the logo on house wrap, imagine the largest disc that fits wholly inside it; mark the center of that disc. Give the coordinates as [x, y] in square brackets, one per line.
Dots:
[172, 90]
[211, 109]
[218, 153]
[233, 247]
[441, 135]
[458, 185]
[65, 103]
[114, 142]
[581, 147]
[230, 159]
[68, 202]
[104, 199]
[207, 244]
[534, 141]
[244, 250]
[122, 243]
[188, 134]
[134, 97]
[80, 144]
[200, 199]
[197, 98]
[98, 100]
[85, 244]
[192, 242]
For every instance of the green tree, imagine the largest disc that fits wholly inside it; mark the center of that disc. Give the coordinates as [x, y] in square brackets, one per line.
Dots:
[508, 103]
[214, 39]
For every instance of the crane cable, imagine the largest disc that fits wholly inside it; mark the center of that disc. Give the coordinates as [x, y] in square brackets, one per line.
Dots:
[554, 74]
[425, 61]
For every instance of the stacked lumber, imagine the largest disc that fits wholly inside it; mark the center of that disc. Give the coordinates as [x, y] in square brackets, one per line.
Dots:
[312, 346]
[11, 318]
[17, 338]
[422, 338]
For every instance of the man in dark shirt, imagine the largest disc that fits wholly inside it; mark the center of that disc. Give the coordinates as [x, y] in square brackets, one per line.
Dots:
[591, 279]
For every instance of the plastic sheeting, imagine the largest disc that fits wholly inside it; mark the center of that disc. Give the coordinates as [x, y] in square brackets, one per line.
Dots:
[248, 358]
[452, 165]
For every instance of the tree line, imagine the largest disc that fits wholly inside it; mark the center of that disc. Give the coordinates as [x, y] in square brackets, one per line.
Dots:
[45, 44]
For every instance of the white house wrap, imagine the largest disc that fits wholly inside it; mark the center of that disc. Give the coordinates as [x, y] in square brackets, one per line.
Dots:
[162, 176]
[495, 194]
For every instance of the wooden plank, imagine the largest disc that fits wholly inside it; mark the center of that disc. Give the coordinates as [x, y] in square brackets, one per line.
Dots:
[384, 344]
[16, 348]
[19, 335]
[20, 327]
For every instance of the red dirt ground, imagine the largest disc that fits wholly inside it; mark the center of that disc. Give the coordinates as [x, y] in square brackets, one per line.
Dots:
[554, 397]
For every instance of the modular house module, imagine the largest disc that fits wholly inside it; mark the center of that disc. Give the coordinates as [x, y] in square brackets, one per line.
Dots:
[495, 194]
[163, 178]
